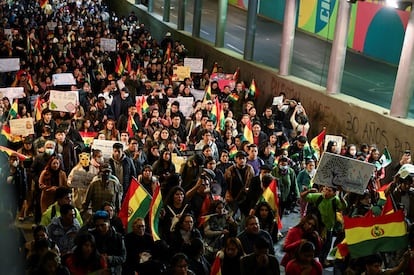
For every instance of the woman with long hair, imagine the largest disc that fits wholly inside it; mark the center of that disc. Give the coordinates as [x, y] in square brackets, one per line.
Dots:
[50, 179]
[230, 256]
[164, 168]
[306, 229]
[110, 131]
[85, 258]
[304, 261]
[267, 219]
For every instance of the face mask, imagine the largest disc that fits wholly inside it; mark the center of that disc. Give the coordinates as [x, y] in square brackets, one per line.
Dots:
[15, 163]
[101, 160]
[312, 173]
[49, 151]
[126, 94]
[284, 167]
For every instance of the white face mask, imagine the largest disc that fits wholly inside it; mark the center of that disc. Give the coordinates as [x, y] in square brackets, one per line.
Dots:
[49, 151]
[15, 163]
[126, 95]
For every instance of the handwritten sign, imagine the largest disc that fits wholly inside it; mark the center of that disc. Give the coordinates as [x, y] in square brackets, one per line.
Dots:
[21, 126]
[336, 170]
[186, 104]
[108, 45]
[63, 79]
[198, 94]
[105, 146]
[180, 72]
[9, 64]
[195, 64]
[63, 101]
[12, 92]
[336, 139]
[277, 100]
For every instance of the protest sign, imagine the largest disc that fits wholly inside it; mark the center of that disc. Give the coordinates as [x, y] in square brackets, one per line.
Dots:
[21, 126]
[180, 72]
[63, 79]
[198, 94]
[9, 64]
[277, 100]
[337, 139]
[105, 146]
[335, 170]
[12, 92]
[195, 64]
[186, 104]
[81, 179]
[108, 44]
[63, 101]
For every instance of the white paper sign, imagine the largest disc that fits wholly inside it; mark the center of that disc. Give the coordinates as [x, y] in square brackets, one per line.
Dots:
[81, 179]
[7, 32]
[198, 94]
[63, 101]
[105, 146]
[336, 170]
[63, 79]
[108, 45]
[277, 100]
[12, 92]
[21, 126]
[9, 64]
[195, 64]
[337, 139]
[186, 104]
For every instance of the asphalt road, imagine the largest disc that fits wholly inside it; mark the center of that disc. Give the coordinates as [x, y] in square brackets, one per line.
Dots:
[364, 78]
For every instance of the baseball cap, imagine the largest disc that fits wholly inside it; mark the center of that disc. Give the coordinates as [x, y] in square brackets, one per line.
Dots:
[406, 170]
[241, 154]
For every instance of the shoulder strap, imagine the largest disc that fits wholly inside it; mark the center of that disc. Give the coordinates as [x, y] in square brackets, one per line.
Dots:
[319, 200]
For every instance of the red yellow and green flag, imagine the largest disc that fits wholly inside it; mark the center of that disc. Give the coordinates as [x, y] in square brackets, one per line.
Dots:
[14, 110]
[270, 196]
[154, 214]
[136, 204]
[214, 68]
[253, 89]
[131, 126]
[207, 94]
[9, 152]
[247, 132]
[233, 151]
[216, 267]
[233, 97]
[317, 143]
[368, 235]
[119, 67]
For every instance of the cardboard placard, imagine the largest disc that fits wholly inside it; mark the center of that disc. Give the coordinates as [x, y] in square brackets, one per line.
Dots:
[9, 64]
[180, 72]
[186, 104]
[336, 170]
[108, 44]
[12, 92]
[21, 126]
[81, 179]
[63, 101]
[195, 64]
[63, 79]
[105, 146]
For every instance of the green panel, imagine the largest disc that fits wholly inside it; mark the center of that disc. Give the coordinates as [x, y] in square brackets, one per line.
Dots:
[272, 9]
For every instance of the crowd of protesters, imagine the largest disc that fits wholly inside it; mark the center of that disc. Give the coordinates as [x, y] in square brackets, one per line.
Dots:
[213, 217]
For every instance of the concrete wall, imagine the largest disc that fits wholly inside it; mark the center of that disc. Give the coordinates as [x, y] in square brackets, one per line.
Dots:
[340, 114]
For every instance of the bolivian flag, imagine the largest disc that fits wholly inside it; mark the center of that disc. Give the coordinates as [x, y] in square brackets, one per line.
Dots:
[247, 132]
[216, 267]
[154, 214]
[136, 204]
[316, 143]
[233, 152]
[270, 196]
[369, 235]
[9, 152]
[131, 126]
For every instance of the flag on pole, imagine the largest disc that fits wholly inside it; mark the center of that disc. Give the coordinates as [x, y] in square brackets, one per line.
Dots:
[214, 68]
[131, 126]
[253, 89]
[203, 219]
[247, 132]
[233, 97]
[38, 109]
[385, 159]
[43, 3]
[233, 152]
[207, 94]
[119, 67]
[144, 104]
[154, 213]
[285, 145]
[14, 110]
[317, 143]
[9, 152]
[368, 235]
[236, 74]
[127, 66]
[5, 131]
[216, 267]
[222, 120]
[136, 204]
[215, 112]
[270, 196]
